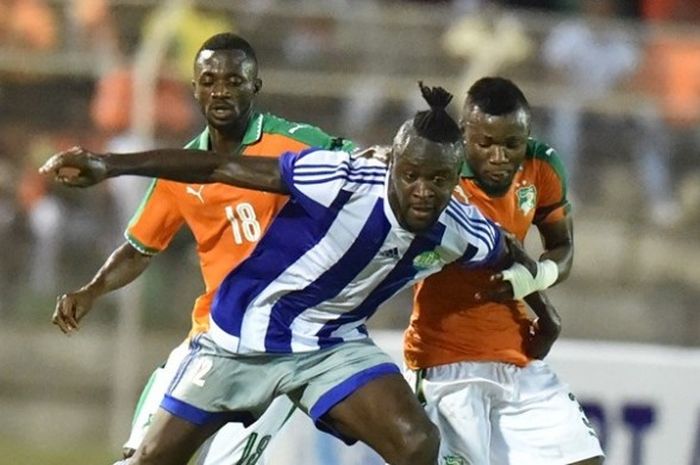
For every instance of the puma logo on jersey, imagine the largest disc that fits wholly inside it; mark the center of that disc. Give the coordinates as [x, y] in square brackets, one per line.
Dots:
[196, 192]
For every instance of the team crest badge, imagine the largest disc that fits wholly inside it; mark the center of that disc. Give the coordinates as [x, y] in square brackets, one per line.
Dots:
[526, 198]
[427, 260]
[454, 460]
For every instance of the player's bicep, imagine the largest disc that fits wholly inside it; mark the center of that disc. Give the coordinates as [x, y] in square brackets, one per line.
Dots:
[558, 233]
[552, 186]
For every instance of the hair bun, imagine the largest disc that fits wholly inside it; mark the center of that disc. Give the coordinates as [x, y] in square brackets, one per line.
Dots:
[437, 97]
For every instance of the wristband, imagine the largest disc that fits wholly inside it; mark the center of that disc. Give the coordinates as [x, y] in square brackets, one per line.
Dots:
[521, 280]
[547, 274]
[524, 283]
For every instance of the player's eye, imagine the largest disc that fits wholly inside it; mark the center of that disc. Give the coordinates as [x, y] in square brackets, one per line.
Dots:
[439, 181]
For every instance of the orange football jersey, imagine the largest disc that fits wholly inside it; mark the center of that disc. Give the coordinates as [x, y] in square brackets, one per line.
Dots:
[447, 324]
[226, 221]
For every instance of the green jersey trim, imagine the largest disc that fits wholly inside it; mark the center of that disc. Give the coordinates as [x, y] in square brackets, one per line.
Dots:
[143, 396]
[541, 151]
[140, 246]
[201, 142]
[304, 133]
[270, 124]
[466, 171]
[254, 131]
[252, 134]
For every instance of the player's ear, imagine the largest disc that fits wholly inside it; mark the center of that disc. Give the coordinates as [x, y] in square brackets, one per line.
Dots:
[258, 85]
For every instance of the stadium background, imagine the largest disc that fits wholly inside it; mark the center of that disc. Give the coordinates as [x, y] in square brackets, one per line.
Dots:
[620, 87]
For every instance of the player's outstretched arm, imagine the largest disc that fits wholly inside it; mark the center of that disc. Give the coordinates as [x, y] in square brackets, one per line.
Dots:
[123, 266]
[558, 242]
[545, 329]
[78, 167]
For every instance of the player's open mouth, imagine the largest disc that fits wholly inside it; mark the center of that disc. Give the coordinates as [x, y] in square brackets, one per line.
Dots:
[422, 212]
[498, 176]
[221, 111]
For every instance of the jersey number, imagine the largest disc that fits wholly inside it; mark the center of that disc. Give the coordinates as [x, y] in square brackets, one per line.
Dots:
[251, 452]
[244, 223]
[200, 372]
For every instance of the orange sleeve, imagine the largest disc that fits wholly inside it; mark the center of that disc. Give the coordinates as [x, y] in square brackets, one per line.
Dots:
[552, 203]
[156, 221]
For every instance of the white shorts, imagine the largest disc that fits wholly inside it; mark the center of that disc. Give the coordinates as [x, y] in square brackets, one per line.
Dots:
[493, 413]
[232, 443]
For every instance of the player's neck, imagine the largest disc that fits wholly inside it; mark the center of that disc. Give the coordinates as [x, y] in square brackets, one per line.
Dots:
[493, 191]
[229, 139]
[223, 142]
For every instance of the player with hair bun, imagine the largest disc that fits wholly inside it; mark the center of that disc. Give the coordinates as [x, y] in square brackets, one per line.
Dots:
[292, 316]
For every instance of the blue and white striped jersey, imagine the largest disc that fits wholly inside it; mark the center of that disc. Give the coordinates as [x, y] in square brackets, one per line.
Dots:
[334, 253]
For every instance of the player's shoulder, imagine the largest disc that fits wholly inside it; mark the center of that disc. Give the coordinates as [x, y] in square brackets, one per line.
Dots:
[460, 213]
[305, 133]
[545, 155]
[352, 160]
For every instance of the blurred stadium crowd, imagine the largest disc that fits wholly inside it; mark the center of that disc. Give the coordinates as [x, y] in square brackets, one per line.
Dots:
[615, 86]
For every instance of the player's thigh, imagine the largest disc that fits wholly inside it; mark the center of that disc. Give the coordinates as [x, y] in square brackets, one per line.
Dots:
[355, 391]
[543, 425]
[171, 440]
[235, 443]
[385, 414]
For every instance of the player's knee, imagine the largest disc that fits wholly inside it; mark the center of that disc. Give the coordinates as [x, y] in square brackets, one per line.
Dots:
[421, 445]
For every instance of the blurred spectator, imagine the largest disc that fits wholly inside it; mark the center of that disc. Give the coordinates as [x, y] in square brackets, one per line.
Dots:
[12, 256]
[111, 111]
[193, 28]
[29, 24]
[93, 28]
[489, 40]
[595, 59]
[111, 104]
[537, 4]
[677, 10]
[672, 74]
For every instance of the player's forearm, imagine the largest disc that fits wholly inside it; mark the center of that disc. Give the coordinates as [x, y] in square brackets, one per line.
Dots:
[548, 319]
[558, 242]
[184, 165]
[563, 257]
[123, 266]
[200, 167]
